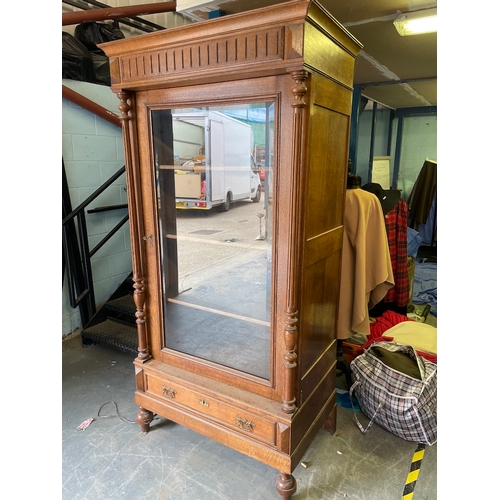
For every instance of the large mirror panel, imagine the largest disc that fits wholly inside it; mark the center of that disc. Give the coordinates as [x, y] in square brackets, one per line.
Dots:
[214, 172]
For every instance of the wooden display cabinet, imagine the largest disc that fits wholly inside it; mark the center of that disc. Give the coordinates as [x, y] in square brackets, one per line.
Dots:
[236, 308]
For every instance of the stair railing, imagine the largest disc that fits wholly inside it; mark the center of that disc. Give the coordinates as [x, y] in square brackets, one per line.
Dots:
[93, 11]
[76, 252]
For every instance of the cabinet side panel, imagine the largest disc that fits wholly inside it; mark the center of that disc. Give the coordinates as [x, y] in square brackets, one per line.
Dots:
[327, 171]
[317, 334]
[323, 207]
[311, 415]
[328, 56]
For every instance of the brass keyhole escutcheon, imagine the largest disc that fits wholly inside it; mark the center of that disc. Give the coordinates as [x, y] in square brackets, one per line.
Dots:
[203, 402]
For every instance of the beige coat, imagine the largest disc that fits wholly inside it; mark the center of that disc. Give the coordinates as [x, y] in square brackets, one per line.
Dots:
[366, 262]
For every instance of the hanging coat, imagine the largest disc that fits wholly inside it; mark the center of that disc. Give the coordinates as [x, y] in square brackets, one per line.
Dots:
[422, 195]
[366, 262]
[396, 223]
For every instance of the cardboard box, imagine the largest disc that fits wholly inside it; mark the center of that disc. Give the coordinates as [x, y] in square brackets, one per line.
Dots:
[187, 185]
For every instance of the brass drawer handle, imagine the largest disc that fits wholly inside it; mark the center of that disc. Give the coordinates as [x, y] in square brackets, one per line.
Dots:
[203, 402]
[168, 392]
[245, 424]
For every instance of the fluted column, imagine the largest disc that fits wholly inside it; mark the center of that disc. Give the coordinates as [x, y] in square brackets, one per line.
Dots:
[136, 232]
[291, 333]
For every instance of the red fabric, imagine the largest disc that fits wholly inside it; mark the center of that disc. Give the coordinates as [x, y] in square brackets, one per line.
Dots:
[396, 224]
[428, 355]
[382, 324]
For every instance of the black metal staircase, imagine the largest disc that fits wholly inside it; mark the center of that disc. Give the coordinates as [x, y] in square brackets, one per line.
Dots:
[114, 324]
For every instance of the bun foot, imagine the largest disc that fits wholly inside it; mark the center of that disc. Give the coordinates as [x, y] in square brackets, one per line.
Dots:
[144, 418]
[286, 485]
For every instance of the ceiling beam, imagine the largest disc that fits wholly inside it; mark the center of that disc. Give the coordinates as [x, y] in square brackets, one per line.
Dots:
[397, 82]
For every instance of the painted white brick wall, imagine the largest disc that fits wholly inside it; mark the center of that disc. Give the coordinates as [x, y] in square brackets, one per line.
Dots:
[92, 151]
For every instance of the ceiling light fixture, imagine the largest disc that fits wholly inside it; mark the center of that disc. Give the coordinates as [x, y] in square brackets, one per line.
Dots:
[416, 23]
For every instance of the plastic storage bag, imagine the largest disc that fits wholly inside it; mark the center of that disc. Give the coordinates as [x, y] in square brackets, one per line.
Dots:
[402, 401]
[77, 62]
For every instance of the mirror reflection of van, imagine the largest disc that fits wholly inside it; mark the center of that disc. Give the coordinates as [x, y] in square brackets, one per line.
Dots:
[228, 173]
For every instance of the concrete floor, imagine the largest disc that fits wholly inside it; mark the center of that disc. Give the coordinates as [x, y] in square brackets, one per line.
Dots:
[111, 458]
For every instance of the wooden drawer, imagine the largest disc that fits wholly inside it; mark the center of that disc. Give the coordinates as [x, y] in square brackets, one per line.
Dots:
[239, 420]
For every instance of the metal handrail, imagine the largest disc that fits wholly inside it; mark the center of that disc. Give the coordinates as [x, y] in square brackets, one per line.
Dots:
[93, 196]
[90, 105]
[132, 21]
[107, 13]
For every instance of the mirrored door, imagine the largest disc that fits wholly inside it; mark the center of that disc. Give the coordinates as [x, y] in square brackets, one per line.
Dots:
[214, 174]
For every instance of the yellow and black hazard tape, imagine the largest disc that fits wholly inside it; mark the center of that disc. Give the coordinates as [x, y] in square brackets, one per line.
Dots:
[412, 477]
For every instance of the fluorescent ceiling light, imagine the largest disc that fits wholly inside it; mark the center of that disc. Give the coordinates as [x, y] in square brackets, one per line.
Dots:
[415, 23]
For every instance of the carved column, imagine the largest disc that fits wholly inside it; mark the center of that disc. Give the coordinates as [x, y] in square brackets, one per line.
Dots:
[133, 194]
[299, 90]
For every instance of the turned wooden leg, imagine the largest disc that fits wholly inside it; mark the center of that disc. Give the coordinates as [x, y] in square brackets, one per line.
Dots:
[286, 485]
[144, 418]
